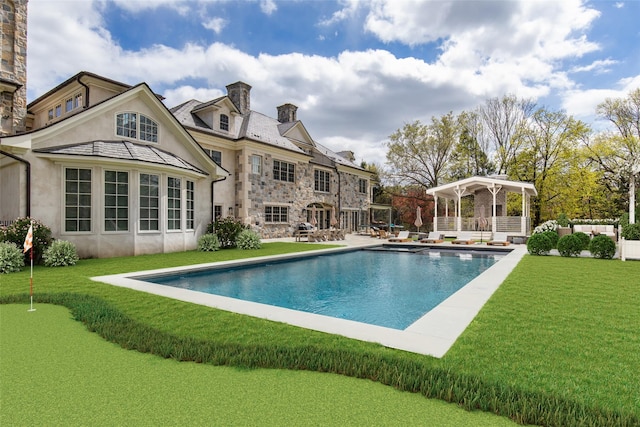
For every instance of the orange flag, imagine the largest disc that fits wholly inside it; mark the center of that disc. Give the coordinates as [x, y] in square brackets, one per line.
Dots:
[28, 241]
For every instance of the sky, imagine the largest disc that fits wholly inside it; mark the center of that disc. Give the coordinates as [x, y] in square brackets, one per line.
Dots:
[357, 70]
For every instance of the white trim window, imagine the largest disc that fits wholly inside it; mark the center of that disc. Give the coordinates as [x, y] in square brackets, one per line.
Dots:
[116, 201]
[283, 171]
[173, 203]
[321, 180]
[216, 156]
[190, 202]
[276, 214]
[77, 200]
[149, 202]
[129, 125]
[224, 122]
[256, 164]
[362, 185]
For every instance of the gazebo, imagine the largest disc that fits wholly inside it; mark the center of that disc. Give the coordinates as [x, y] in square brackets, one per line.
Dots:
[635, 174]
[489, 206]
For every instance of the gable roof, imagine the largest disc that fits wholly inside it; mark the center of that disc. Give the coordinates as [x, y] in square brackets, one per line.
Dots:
[123, 150]
[469, 186]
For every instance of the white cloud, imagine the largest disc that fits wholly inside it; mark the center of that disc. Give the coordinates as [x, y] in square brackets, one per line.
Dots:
[179, 6]
[268, 6]
[599, 66]
[215, 24]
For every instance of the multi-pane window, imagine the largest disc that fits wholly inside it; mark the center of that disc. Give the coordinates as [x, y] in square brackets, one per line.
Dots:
[149, 202]
[148, 129]
[283, 171]
[77, 101]
[173, 203]
[126, 125]
[276, 214]
[362, 185]
[50, 114]
[191, 197]
[224, 122]
[68, 105]
[256, 164]
[217, 212]
[130, 125]
[77, 204]
[321, 180]
[215, 155]
[58, 110]
[116, 201]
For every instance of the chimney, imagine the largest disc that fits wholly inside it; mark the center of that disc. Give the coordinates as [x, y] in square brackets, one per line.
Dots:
[240, 95]
[287, 113]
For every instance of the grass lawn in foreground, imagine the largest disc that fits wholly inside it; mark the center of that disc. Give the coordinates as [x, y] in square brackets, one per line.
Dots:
[55, 372]
[558, 327]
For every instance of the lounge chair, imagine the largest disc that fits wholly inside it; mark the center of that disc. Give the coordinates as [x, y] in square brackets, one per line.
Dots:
[383, 234]
[433, 237]
[374, 232]
[499, 239]
[403, 236]
[464, 238]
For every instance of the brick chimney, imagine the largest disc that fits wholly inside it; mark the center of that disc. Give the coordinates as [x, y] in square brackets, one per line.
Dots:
[287, 113]
[240, 95]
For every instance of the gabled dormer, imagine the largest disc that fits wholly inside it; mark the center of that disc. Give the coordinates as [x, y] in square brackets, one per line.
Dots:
[219, 114]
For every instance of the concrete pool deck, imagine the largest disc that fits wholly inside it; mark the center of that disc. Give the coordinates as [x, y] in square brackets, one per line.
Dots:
[433, 334]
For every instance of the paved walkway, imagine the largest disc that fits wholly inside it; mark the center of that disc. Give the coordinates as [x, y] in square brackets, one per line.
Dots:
[433, 334]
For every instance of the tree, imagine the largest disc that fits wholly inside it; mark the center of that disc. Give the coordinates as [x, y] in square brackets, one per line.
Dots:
[548, 142]
[419, 154]
[503, 119]
[469, 158]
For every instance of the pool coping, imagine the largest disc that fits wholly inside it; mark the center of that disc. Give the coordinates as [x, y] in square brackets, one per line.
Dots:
[433, 334]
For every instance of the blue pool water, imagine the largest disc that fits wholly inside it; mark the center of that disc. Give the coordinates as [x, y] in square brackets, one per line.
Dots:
[391, 289]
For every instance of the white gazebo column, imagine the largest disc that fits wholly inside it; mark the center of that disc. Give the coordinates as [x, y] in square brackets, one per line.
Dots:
[494, 190]
[435, 212]
[459, 192]
[524, 215]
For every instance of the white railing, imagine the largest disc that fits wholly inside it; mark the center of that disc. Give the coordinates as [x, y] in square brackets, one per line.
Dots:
[507, 224]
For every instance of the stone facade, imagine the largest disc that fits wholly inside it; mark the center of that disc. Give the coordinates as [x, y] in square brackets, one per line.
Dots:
[13, 66]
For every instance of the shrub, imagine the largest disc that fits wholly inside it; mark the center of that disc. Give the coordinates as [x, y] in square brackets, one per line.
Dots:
[227, 229]
[602, 247]
[631, 232]
[553, 236]
[16, 233]
[539, 244]
[249, 239]
[570, 245]
[584, 238]
[563, 221]
[11, 258]
[208, 243]
[61, 253]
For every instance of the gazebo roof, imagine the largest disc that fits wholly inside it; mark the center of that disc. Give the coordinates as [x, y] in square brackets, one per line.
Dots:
[475, 183]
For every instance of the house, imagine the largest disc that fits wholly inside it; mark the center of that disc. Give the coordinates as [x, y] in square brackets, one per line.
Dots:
[109, 167]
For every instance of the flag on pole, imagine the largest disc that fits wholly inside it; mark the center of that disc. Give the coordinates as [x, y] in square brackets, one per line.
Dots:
[28, 241]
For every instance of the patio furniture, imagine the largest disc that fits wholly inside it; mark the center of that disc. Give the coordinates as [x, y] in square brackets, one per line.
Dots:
[499, 239]
[464, 238]
[433, 237]
[403, 236]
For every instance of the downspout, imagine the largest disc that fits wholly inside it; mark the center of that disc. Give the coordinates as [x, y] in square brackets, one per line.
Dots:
[339, 197]
[212, 192]
[86, 92]
[28, 170]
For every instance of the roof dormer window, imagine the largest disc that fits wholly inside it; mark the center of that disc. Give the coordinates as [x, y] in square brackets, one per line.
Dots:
[224, 122]
[136, 126]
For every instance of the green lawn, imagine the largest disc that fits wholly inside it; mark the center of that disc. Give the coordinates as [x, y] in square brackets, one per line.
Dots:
[557, 343]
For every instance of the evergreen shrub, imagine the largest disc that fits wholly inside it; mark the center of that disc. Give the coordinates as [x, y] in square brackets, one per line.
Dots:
[60, 253]
[11, 258]
[17, 232]
[584, 239]
[553, 236]
[631, 232]
[570, 245]
[602, 247]
[248, 239]
[539, 244]
[208, 243]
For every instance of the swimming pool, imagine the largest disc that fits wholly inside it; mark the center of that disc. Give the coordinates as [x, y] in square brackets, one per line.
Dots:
[383, 288]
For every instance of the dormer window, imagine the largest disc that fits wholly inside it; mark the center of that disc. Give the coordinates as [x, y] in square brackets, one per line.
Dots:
[224, 122]
[136, 126]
